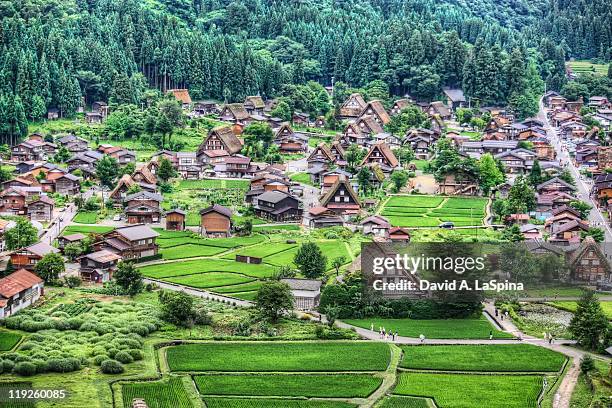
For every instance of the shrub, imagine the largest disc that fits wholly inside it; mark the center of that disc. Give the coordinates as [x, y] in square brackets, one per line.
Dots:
[41, 365]
[63, 365]
[28, 345]
[111, 367]
[136, 354]
[88, 326]
[61, 324]
[112, 352]
[100, 358]
[75, 323]
[124, 357]
[24, 368]
[7, 366]
[37, 337]
[141, 329]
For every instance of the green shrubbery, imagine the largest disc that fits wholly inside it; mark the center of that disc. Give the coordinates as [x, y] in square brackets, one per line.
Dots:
[112, 367]
[105, 332]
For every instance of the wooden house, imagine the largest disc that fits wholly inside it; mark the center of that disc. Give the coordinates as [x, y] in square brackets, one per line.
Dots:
[305, 292]
[216, 221]
[321, 217]
[29, 256]
[300, 119]
[19, 290]
[352, 107]
[67, 184]
[376, 225]
[142, 174]
[588, 263]
[98, 266]
[254, 105]
[454, 98]
[182, 95]
[278, 206]
[143, 207]
[41, 209]
[567, 233]
[439, 109]
[13, 201]
[555, 184]
[175, 220]
[64, 240]
[203, 108]
[130, 242]
[376, 109]
[399, 234]
[341, 198]
[320, 156]
[235, 113]
[398, 106]
[220, 138]
[381, 154]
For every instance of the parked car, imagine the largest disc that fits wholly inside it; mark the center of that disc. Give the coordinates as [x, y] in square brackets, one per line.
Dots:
[447, 225]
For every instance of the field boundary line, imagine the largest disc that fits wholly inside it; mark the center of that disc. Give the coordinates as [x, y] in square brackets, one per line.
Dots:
[389, 378]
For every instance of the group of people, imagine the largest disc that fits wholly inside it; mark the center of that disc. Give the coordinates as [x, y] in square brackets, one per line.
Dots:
[550, 337]
[384, 334]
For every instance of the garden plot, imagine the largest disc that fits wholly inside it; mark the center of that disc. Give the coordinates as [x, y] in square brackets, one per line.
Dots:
[194, 195]
[484, 358]
[472, 390]
[210, 280]
[279, 356]
[431, 211]
[477, 328]
[405, 402]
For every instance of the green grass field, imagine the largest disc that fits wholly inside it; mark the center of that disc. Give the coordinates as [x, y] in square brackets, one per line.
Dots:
[193, 267]
[431, 211]
[405, 402]
[279, 356]
[157, 394]
[190, 251]
[581, 67]
[303, 178]
[434, 329]
[86, 217]
[86, 229]
[8, 340]
[292, 385]
[272, 403]
[500, 358]
[470, 390]
[571, 307]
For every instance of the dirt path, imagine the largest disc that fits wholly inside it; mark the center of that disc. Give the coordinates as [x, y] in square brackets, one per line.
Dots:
[389, 379]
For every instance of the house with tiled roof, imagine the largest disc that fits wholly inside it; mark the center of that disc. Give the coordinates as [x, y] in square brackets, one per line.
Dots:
[130, 242]
[305, 292]
[98, 266]
[19, 290]
[143, 207]
[41, 209]
[29, 256]
[278, 206]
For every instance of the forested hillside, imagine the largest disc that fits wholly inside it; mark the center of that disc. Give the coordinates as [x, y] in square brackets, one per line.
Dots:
[54, 52]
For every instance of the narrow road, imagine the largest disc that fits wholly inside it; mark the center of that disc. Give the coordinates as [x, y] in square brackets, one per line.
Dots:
[62, 219]
[596, 218]
[199, 293]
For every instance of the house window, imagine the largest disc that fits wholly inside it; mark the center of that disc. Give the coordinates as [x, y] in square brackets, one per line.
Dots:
[337, 199]
[346, 199]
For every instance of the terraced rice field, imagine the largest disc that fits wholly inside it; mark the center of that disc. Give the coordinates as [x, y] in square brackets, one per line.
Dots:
[483, 358]
[157, 394]
[272, 403]
[434, 329]
[279, 356]
[431, 211]
[472, 390]
[581, 67]
[289, 385]
[571, 307]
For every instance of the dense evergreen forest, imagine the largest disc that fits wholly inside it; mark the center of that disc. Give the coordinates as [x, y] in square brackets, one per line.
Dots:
[54, 52]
